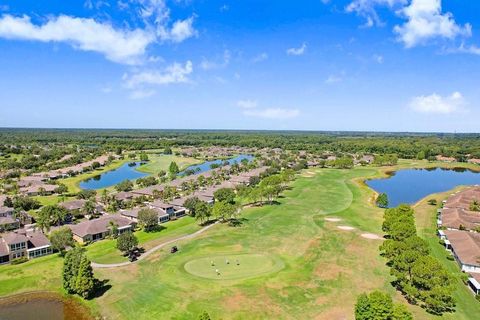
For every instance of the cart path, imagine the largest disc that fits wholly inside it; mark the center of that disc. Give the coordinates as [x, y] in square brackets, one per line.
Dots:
[152, 250]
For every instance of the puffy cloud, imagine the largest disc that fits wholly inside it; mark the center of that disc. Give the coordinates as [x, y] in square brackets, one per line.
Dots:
[297, 51]
[247, 104]
[175, 73]
[272, 113]
[437, 104]
[180, 31]
[426, 21]
[366, 9]
[118, 45]
[333, 79]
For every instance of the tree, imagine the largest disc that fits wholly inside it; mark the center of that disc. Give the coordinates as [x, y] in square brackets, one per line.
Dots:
[61, 189]
[143, 157]
[50, 215]
[61, 239]
[162, 173]
[382, 200]
[202, 211]
[89, 208]
[86, 194]
[125, 185]
[77, 273]
[148, 218]
[167, 150]
[126, 241]
[173, 169]
[224, 195]
[223, 210]
[474, 206]
[204, 316]
[8, 202]
[85, 281]
[379, 306]
[190, 204]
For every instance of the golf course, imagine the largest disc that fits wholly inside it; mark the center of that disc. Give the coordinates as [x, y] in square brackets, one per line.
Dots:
[294, 259]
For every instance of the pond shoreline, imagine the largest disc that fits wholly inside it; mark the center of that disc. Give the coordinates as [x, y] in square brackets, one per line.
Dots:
[69, 306]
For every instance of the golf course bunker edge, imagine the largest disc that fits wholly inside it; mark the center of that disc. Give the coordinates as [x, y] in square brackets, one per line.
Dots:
[233, 266]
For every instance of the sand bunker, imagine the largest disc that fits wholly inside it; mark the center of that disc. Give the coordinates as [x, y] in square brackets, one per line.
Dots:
[371, 236]
[333, 219]
[346, 228]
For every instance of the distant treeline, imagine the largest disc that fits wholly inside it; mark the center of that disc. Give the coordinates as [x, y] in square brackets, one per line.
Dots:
[405, 145]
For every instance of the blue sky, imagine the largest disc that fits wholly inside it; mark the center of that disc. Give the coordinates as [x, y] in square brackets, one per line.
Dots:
[376, 65]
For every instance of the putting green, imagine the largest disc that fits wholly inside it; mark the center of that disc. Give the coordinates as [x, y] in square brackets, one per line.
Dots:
[239, 266]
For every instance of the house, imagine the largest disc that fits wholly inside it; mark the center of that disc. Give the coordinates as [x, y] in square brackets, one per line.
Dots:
[8, 223]
[445, 159]
[149, 191]
[459, 218]
[132, 214]
[465, 247]
[74, 207]
[173, 211]
[37, 189]
[474, 161]
[97, 229]
[22, 243]
[474, 282]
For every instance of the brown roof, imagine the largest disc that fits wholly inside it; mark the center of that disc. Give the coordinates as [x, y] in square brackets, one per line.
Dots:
[160, 204]
[466, 246]
[14, 237]
[5, 211]
[454, 217]
[73, 204]
[148, 191]
[7, 220]
[37, 239]
[99, 225]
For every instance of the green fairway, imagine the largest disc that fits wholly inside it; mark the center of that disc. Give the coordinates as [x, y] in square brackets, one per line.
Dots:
[157, 162]
[237, 266]
[294, 263]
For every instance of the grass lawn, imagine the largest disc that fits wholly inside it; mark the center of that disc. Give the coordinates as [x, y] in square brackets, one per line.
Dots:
[322, 265]
[105, 251]
[295, 264]
[159, 162]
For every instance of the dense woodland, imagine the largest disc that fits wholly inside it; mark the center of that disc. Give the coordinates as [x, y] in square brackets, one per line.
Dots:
[405, 145]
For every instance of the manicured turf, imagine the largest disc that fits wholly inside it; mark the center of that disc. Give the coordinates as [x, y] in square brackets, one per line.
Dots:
[158, 162]
[235, 266]
[324, 268]
[323, 265]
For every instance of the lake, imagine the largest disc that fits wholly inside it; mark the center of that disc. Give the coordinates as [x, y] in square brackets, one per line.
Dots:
[411, 185]
[41, 306]
[113, 177]
[205, 166]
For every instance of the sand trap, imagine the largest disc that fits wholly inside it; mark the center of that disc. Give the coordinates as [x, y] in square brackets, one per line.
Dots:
[333, 219]
[346, 228]
[371, 236]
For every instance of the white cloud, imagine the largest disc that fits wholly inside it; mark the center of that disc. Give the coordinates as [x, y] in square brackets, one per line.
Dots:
[175, 73]
[180, 31]
[260, 57]
[437, 104]
[123, 46]
[272, 113]
[426, 21]
[366, 9]
[334, 78]
[141, 94]
[209, 64]
[378, 58]
[247, 104]
[297, 51]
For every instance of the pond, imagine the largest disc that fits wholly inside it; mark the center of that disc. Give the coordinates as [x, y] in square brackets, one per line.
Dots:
[41, 306]
[205, 166]
[113, 177]
[411, 185]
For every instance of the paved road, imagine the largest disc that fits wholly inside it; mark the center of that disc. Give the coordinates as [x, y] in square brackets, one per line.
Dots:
[152, 250]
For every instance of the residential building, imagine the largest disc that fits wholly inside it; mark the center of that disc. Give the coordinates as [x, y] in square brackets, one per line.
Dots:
[97, 229]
